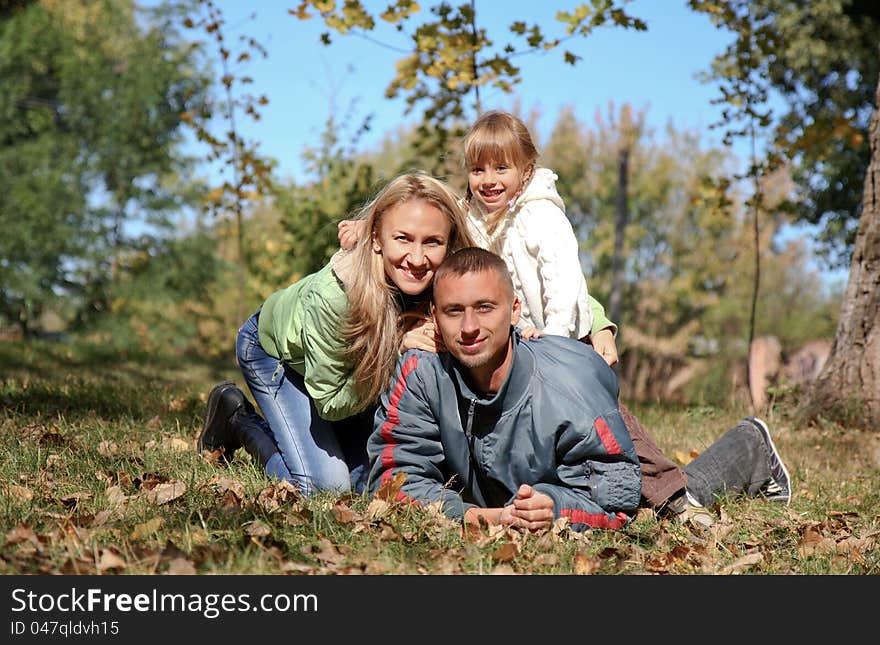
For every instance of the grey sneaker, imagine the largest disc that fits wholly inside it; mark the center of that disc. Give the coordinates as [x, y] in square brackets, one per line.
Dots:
[683, 507]
[695, 512]
[778, 489]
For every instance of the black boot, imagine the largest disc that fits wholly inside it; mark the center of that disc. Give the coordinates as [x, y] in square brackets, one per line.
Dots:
[224, 402]
[253, 434]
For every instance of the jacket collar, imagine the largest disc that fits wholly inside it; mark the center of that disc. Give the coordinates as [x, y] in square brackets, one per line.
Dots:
[515, 386]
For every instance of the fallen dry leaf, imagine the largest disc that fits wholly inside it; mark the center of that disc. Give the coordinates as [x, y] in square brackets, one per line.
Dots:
[176, 405]
[545, 560]
[101, 518]
[115, 496]
[180, 567]
[276, 495]
[107, 448]
[167, 492]
[823, 545]
[223, 483]
[327, 552]
[389, 491]
[387, 534]
[109, 560]
[742, 563]
[505, 553]
[585, 565]
[19, 493]
[22, 533]
[176, 444]
[257, 529]
[378, 509]
[343, 514]
[298, 567]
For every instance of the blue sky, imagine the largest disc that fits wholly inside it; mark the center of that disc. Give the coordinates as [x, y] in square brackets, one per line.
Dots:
[304, 80]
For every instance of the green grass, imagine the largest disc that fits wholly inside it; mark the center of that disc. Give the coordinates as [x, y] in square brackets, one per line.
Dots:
[99, 474]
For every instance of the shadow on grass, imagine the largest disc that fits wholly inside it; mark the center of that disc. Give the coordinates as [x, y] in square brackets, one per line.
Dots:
[42, 378]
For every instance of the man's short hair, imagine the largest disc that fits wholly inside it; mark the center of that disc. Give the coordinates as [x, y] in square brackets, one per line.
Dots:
[472, 259]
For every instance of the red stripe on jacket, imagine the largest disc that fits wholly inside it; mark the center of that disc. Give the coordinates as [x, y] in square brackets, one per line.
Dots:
[607, 437]
[596, 520]
[393, 419]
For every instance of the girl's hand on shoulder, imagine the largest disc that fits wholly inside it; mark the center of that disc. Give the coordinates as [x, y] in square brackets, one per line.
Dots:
[349, 232]
[530, 332]
[422, 334]
[603, 342]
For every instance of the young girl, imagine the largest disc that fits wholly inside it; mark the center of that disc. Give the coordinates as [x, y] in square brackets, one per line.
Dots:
[318, 353]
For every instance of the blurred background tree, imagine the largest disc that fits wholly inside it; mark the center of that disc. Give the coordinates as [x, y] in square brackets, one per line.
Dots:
[90, 148]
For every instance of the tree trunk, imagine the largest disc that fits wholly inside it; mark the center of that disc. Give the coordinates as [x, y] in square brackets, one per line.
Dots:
[615, 302]
[848, 388]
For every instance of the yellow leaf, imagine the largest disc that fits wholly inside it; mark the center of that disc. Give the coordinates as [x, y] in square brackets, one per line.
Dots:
[685, 458]
[176, 444]
[147, 528]
[19, 493]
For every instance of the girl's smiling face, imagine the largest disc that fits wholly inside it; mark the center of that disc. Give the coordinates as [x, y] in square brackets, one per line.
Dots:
[494, 184]
[413, 239]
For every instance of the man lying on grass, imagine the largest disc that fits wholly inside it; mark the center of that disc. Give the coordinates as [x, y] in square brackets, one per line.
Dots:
[522, 432]
[512, 431]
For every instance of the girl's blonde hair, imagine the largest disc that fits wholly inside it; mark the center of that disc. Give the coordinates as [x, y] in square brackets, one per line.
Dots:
[372, 326]
[498, 136]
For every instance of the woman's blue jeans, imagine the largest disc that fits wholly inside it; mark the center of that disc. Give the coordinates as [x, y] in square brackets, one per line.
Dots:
[313, 453]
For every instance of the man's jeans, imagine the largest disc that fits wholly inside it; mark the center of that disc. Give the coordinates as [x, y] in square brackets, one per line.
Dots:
[737, 463]
[314, 453]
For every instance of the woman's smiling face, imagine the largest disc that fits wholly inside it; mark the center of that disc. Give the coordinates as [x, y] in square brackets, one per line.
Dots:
[413, 239]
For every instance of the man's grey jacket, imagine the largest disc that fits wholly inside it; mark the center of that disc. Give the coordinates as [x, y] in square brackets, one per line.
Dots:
[554, 424]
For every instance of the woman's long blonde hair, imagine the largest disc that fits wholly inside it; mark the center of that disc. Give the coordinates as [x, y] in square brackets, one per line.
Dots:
[372, 326]
[498, 136]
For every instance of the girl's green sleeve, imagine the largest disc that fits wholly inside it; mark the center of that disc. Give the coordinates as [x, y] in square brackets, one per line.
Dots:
[600, 320]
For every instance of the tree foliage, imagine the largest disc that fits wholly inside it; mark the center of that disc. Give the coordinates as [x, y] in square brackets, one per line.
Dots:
[91, 117]
[822, 57]
[452, 55]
